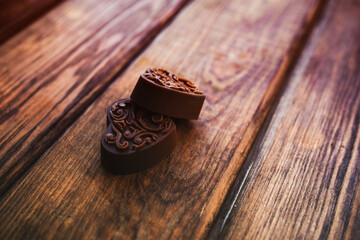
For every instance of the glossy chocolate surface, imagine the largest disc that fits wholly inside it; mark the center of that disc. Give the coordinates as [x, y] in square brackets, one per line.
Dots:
[169, 80]
[135, 138]
[161, 91]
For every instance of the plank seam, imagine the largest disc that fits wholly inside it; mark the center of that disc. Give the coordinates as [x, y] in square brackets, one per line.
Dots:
[46, 139]
[21, 24]
[217, 229]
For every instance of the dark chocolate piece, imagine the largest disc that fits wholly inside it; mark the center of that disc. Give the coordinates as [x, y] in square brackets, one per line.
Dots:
[136, 138]
[161, 91]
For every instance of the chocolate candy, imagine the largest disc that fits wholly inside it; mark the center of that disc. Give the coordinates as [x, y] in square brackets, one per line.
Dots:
[161, 91]
[135, 138]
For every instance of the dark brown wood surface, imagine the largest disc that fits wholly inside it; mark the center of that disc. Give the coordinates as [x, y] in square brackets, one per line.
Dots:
[54, 69]
[238, 52]
[16, 14]
[302, 178]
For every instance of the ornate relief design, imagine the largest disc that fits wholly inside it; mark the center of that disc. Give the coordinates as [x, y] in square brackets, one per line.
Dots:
[169, 80]
[133, 128]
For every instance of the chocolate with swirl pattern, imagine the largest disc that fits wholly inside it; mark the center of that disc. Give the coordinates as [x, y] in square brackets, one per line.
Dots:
[136, 138]
[162, 91]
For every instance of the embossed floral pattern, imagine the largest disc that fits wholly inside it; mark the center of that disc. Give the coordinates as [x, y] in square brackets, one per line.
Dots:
[167, 79]
[133, 128]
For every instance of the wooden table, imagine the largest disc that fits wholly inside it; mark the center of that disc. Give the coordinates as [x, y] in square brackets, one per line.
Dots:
[275, 153]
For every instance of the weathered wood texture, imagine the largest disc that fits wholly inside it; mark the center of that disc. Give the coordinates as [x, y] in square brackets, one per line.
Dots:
[237, 52]
[52, 71]
[16, 14]
[303, 179]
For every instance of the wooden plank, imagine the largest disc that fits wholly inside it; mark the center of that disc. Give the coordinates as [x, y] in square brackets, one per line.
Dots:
[237, 52]
[16, 14]
[304, 177]
[51, 72]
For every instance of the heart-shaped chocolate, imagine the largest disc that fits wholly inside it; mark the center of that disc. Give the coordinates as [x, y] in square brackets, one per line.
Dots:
[135, 138]
[161, 91]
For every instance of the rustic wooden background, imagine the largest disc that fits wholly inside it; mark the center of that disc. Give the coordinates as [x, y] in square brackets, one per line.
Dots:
[275, 153]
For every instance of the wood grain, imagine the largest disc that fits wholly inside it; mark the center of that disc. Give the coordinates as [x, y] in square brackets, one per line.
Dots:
[238, 53]
[303, 177]
[52, 71]
[16, 14]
